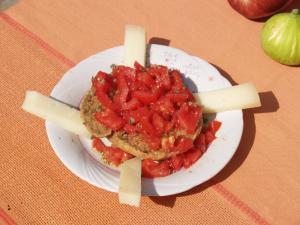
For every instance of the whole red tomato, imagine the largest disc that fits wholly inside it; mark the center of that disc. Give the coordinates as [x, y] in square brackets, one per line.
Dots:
[254, 9]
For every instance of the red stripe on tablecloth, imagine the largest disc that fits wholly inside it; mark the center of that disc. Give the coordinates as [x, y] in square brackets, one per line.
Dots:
[37, 40]
[238, 203]
[6, 218]
[230, 197]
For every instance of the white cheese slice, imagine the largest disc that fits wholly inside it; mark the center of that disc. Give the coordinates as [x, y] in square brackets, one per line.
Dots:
[130, 182]
[241, 96]
[55, 111]
[134, 45]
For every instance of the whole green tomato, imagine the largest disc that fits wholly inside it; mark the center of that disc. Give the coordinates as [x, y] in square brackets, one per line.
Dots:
[280, 38]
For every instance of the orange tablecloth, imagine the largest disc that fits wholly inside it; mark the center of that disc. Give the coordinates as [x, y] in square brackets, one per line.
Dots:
[41, 40]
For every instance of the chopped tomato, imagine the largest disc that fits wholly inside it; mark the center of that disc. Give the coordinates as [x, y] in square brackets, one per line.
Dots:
[116, 155]
[147, 127]
[153, 141]
[158, 91]
[129, 128]
[176, 80]
[163, 79]
[177, 97]
[142, 117]
[159, 123]
[142, 113]
[152, 168]
[200, 141]
[154, 70]
[126, 156]
[213, 126]
[191, 156]
[122, 92]
[124, 71]
[137, 86]
[164, 105]
[161, 75]
[111, 154]
[168, 143]
[104, 99]
[146, 79]
[209, 137]
[132, 104]
[110, 119]
[145, 97]
[183, 144]
[176, 162]
[169, 126]
[98, 144]
[166, 82]
[101, 82]
[203, 148]
[138, 67]
[123, 89]
[188, 117]
[189, 94]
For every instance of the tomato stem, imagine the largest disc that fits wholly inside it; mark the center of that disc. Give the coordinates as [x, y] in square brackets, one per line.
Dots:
[295, 11]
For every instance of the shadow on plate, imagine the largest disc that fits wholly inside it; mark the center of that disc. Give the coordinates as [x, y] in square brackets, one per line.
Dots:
[269, 104]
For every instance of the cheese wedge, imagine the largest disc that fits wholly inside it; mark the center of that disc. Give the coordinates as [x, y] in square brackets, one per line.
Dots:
[55, 111]
[241, 96]
[134, 45]
[130, 182]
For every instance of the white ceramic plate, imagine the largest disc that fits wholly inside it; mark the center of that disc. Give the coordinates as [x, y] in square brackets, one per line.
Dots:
[76, 154]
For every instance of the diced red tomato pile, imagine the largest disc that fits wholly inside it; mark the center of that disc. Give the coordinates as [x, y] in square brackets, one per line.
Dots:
[111, 154]
[150, 101]
[168, 166]
[151, 168]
